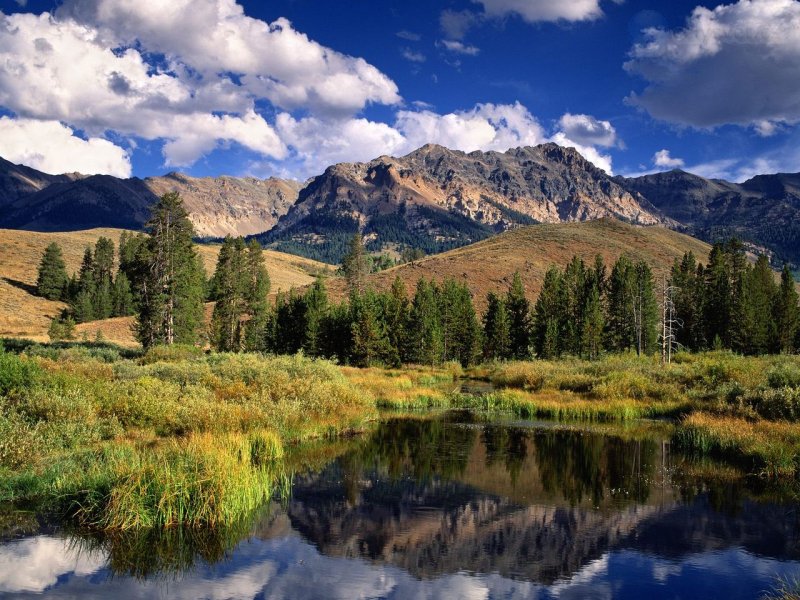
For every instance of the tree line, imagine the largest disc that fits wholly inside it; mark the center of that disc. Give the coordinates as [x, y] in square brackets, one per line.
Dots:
[582, 310]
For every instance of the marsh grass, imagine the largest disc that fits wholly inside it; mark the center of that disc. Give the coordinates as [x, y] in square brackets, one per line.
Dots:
[771, 448]
[177, 437]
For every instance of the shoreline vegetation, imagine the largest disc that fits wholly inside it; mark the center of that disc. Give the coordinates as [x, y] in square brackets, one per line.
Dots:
[113, 440]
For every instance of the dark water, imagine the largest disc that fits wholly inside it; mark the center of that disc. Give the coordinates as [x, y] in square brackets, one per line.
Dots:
[454, 508]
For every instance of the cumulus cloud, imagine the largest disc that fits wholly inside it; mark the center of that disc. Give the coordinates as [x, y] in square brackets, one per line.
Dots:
[534, 11]
[590, 153]
[586, 129]
[735, 64]
[662, 158]
[53, 148]
[273, 59]
[91, 66]
[460, 47]
[485, 127]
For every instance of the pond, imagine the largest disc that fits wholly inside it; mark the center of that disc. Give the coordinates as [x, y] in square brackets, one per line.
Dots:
[453, 506]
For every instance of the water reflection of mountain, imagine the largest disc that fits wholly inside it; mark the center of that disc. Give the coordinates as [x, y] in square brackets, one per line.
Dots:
[520, 503]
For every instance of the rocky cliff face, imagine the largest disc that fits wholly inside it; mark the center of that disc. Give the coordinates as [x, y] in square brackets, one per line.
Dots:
[436, 198]
[217, 206]
[764, 211]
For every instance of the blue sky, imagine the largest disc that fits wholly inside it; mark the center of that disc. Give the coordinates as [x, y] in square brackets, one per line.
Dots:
[286, 87]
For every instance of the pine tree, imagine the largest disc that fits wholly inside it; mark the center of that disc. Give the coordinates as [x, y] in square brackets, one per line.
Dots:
[574, 288]
[316, 305]
[370, 344]
[787, 314]
[122, 296]
[593, 324]
[231, 284]
[620, 323]
[645, 309]
[170, 277]
[83, 300]
[519, 319]
[51, 282]
[425, 329]
[396, 313]
[356, 264]
[256, 298]
[758, 335]
[496, 330]
[460, 328]
[687, 299]
[548, 316]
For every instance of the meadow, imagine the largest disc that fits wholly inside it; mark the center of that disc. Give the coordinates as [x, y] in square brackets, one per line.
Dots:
[116, 440]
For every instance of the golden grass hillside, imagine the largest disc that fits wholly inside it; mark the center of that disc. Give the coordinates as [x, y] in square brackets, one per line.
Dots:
[490, 264]
[22, 314]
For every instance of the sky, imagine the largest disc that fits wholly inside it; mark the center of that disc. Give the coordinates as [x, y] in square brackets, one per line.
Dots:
[287, 87]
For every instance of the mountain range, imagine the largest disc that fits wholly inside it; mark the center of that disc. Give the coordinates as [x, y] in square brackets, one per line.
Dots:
[433, 198]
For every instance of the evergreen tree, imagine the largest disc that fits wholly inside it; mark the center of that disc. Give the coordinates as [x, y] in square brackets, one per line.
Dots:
[231, 283]
[496, 329]
[519, 319]
[425, 329]
[256, 298]
[717, 304]
[370, 344]
[336, 333]
[787, 314]
[548, 316]
[396, 313]
[170, 277]
[758, 300]
[574, 289]
[51, 282]
[645, 310]
[61, 329]
[83, 298]
[620, 323]
[593, 324]
[460, 328]
[688, 301]
[315, 306]
[355, 264]
[122, 296]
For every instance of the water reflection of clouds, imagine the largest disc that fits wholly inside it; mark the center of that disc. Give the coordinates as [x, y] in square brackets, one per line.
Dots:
[288, 567]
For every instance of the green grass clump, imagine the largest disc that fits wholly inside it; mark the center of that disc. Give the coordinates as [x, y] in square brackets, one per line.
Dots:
[162, 441]
[568, 406]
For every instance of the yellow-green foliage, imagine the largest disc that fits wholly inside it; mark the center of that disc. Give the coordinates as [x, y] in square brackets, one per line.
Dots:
[772, 447]
[175, 438]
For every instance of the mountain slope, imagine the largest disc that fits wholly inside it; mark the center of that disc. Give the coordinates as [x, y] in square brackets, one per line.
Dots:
[489, 265]
[22, 314]
[764, 210]
[435, 199]
[217, 206]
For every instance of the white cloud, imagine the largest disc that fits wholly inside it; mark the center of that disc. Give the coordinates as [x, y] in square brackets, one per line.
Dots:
[460, 47]
[534, 11]
[90, 67]
[318, 143]
[53, 148]
[408, 35]
[586, 129]
[738, 63]
[413, 55]
[662, 158]
[485, 127]
[456, 23]
[213, 36]
[590, 153]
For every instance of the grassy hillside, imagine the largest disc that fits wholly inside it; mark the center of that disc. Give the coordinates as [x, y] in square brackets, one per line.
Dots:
[24, 315]
[490, 264]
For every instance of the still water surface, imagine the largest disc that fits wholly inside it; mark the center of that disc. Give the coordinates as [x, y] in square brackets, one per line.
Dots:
[455, 507]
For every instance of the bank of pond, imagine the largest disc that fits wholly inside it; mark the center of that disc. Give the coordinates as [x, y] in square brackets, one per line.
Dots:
[112, 441]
